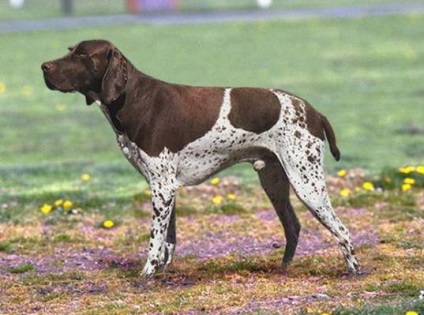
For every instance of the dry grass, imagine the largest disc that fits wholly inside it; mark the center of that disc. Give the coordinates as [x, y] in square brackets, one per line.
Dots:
[225, 262]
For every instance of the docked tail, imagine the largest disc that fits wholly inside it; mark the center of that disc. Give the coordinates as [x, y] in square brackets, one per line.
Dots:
[331, 138]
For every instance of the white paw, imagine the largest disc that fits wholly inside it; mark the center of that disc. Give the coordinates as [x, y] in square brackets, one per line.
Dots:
[168, 257]
[149, 269]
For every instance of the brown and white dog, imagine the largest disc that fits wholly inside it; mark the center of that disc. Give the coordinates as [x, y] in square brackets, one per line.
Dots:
[177, 135]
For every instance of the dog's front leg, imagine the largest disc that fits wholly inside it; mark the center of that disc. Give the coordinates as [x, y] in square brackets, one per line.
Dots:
[163, 201]
[171, 241]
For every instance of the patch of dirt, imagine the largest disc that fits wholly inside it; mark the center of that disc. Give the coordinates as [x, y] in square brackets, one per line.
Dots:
[206, 245]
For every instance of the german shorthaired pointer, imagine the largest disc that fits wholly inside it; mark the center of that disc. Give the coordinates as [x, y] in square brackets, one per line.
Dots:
[177, 135]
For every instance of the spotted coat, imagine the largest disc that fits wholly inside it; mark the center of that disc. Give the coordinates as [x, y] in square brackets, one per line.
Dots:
[177, 135]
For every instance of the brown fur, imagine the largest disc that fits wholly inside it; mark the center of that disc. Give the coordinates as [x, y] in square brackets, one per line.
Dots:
[104, 74]
[253, 109]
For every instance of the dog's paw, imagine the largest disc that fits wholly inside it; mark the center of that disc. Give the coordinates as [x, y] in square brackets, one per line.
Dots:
[149, 269]
[168, 254]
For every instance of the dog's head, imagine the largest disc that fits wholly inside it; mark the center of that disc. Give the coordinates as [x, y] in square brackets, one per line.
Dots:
[94, 68]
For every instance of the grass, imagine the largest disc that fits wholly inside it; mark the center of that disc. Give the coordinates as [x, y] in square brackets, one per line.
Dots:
[356, 89]
[325, 61]
[225, 261]
[403, 308]
[52, 8]
[364, 74]
[23, 268]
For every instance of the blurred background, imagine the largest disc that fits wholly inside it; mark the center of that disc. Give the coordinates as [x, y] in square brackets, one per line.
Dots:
[361, 63]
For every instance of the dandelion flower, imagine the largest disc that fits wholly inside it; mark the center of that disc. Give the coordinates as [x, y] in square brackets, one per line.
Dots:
[85, 177]
[2, 88]
[107, 224]
[58, 202]
[368, 186]
[409, 181]
[217, 200]
[67, 205]
[420, 169]
[60, 107]
[387, 179]
[406, 187]
[345, 192]
[46, 208]
[406, 169]
[26, 90]
[231, 196]
[411, 313]
[342, 173]
[215, 181]
[148, 192]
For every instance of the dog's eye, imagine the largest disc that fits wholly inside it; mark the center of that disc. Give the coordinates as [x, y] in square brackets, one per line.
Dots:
[80, 54]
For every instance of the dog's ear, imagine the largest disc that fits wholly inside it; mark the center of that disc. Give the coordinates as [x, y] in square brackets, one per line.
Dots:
[115, 77]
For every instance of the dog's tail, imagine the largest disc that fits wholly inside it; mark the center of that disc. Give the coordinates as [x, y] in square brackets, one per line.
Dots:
[331, 137]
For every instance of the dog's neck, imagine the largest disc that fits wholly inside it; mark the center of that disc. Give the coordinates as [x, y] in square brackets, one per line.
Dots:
[134, 109]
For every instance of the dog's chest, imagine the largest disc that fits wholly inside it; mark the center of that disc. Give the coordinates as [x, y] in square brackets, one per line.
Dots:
[133, 154]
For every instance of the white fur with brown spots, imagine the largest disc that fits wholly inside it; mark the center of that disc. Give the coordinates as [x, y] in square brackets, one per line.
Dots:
[177, 135]
[299, 154]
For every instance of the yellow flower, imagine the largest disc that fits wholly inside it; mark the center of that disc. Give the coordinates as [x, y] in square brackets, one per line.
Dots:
[2, 88]
[368, 186]
[148, 192]
[387, 179]
[217, 200]
[107, 224]
[85, 177]
[406, 187]
[231, 196]
[409, 181]
[411, 313]
[60, 107]
[215, 181]
[26, 90]
[342, 173]
[67, 205]
[420, 169]
[46, 208]
[345, 192]
[358, 189]
[406, 169]
[58, 202]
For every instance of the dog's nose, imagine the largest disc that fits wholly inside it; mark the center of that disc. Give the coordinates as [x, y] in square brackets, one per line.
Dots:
[47, 66]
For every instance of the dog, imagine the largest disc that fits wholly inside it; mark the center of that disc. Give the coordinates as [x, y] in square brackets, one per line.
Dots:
[177, 135]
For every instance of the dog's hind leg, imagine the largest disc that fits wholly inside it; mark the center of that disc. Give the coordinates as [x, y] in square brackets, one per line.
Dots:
[277, 187]
[303, 163]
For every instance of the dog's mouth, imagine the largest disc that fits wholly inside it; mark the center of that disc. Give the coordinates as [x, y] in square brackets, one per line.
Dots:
[55, 86]
[49, 84]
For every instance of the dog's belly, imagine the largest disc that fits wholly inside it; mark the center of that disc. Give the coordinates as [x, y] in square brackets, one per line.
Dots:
[219, 149]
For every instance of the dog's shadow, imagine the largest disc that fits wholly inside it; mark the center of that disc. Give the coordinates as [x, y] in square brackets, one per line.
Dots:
[189, 273]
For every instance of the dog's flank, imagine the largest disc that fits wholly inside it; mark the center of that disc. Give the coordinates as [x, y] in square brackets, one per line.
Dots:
[177, 135]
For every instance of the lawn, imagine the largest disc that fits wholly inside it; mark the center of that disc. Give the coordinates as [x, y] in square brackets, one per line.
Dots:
[365, 75]
[52, 8]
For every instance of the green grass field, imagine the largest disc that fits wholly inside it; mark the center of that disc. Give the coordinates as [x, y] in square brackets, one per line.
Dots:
[52, 8]
[365, 75]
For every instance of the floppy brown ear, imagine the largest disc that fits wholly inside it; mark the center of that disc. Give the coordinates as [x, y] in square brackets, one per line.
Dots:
[115, 77]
